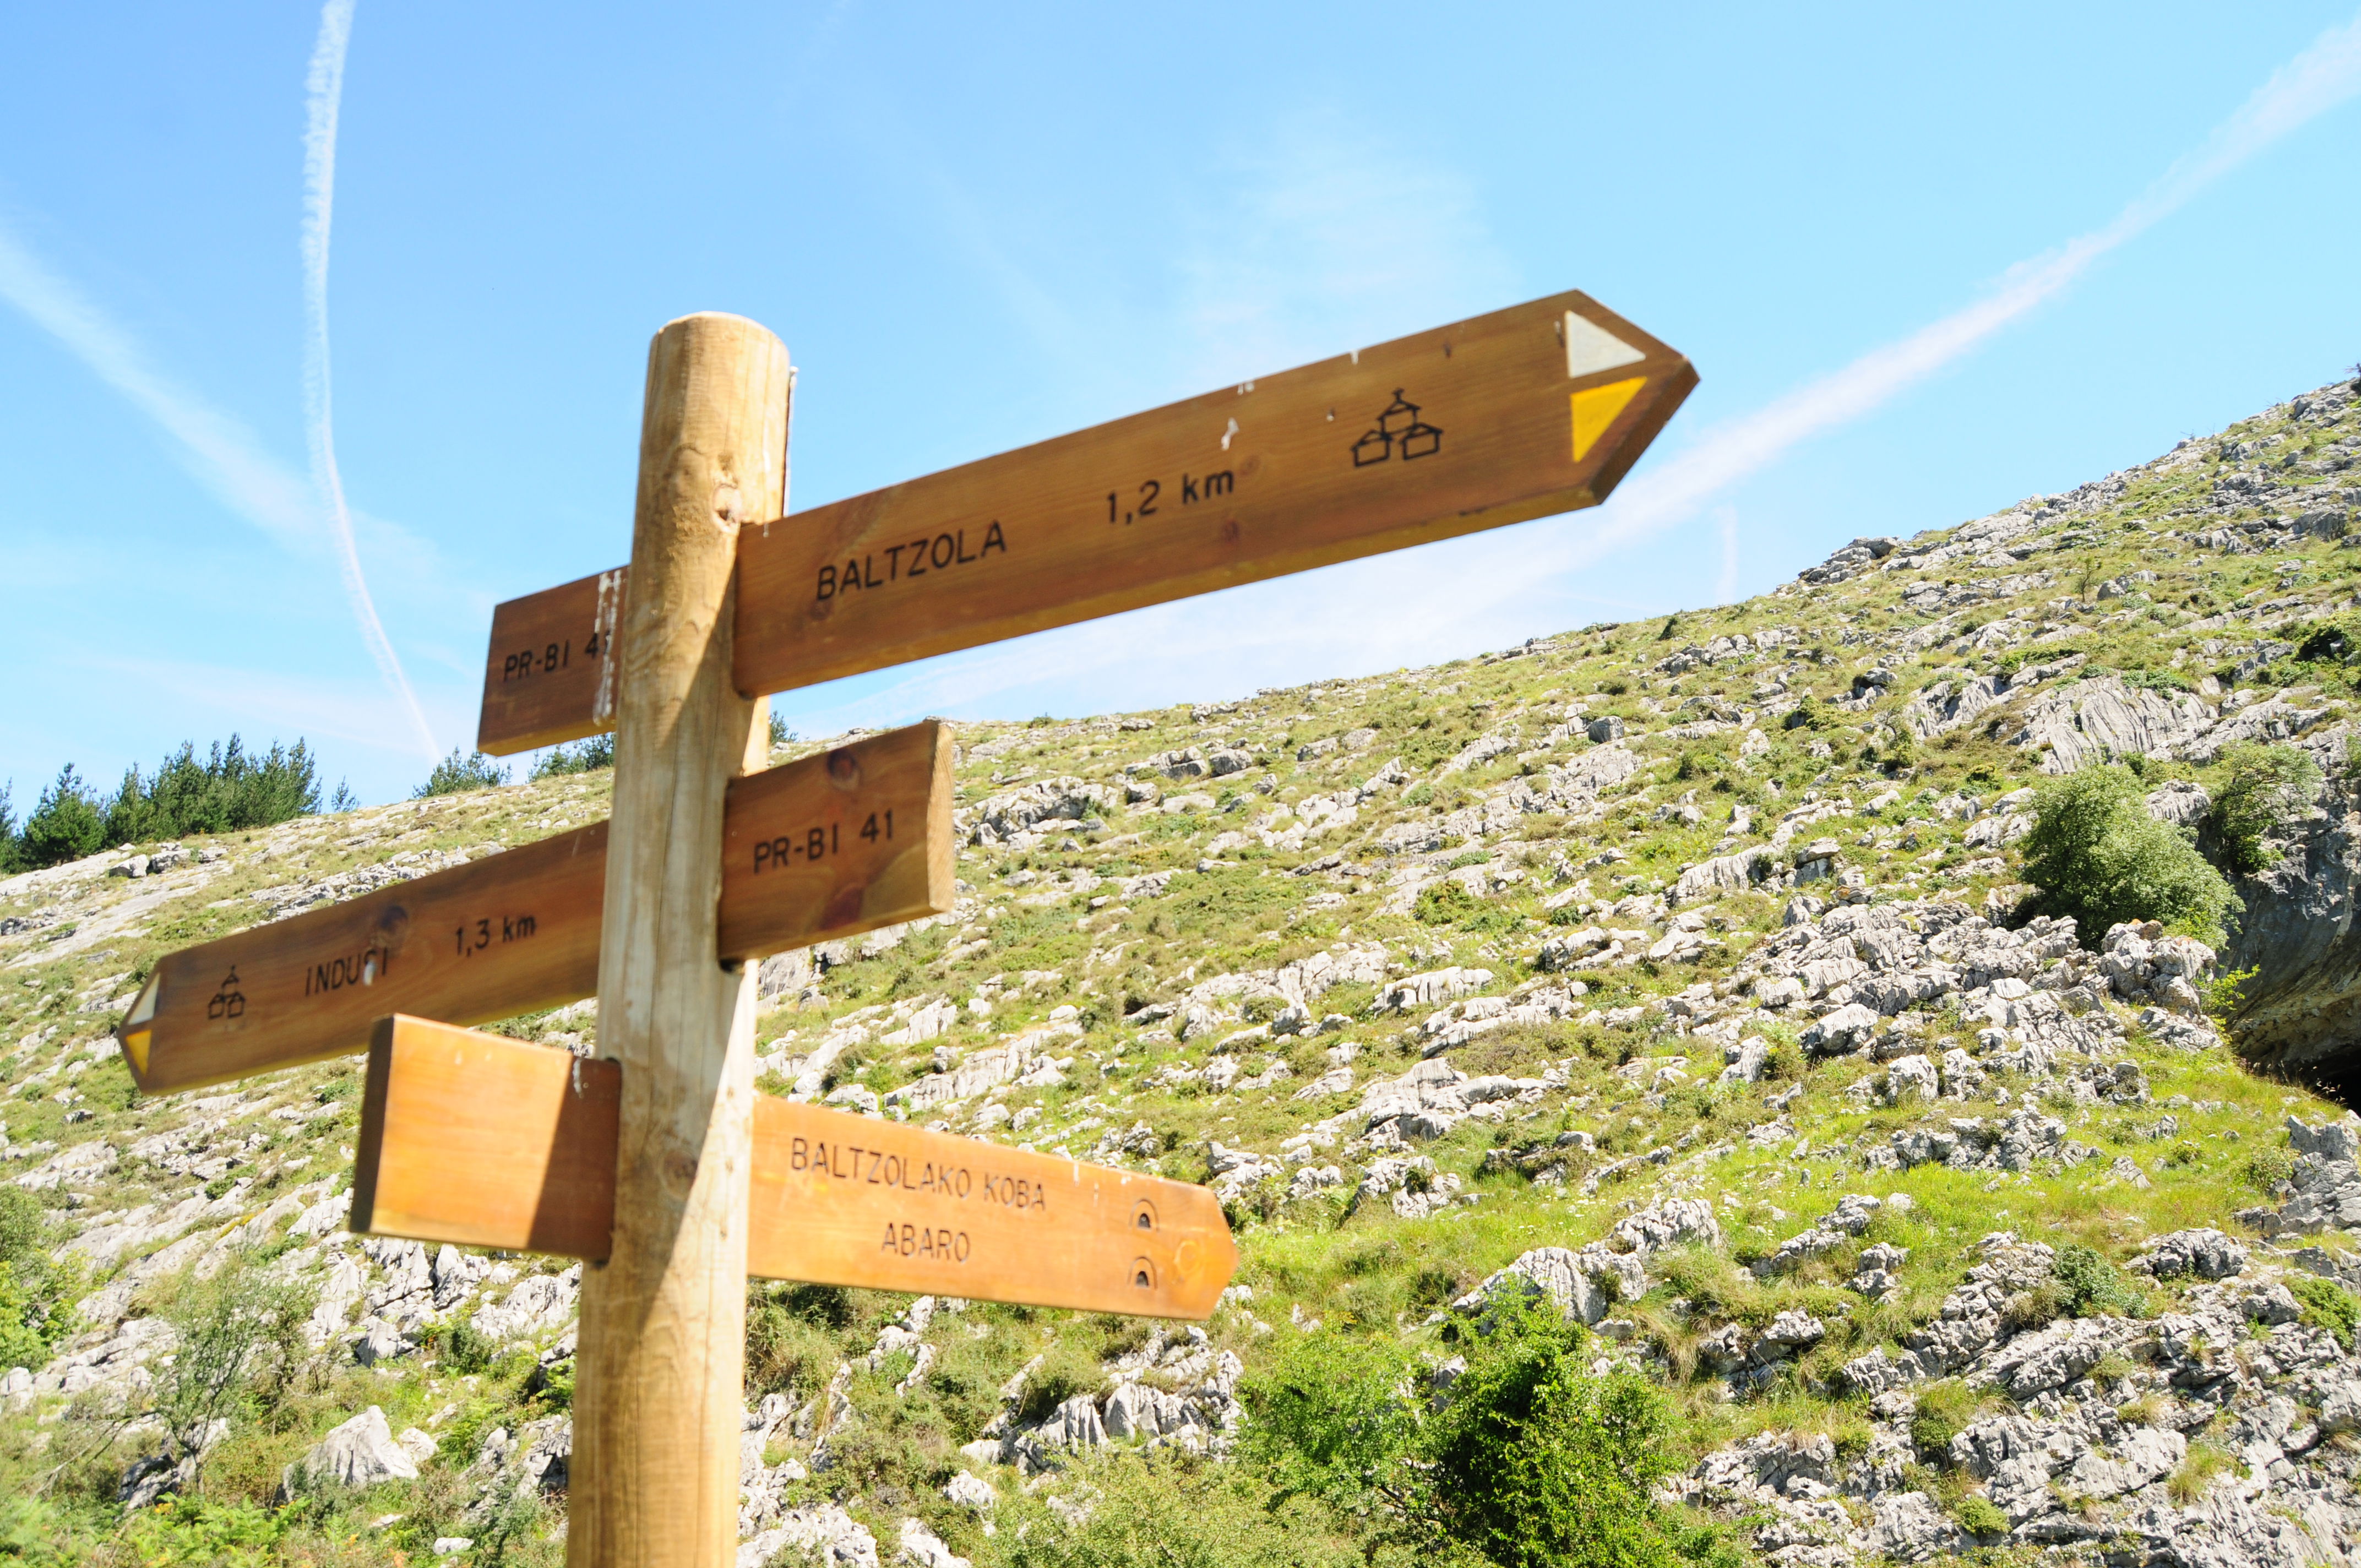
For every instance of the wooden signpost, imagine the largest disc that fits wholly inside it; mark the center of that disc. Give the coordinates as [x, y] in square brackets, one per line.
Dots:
[822, 847]
[1528, 412]
[658, 1163]
[835, 1199]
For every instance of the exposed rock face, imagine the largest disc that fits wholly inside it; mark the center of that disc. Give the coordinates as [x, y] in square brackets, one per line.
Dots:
[361, 1453]
[1716, 938]
[2303, 1007]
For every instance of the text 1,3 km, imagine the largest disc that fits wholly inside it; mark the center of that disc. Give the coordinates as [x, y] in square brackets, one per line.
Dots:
[1153, 498]
[818, 843]
[474, 937]
[555, 656]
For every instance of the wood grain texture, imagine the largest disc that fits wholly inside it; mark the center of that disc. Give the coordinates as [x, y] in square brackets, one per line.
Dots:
[1313, 466]
[551, 668]
[1321, 464]
[520, 931]
[661, 1363]
[846, 1200]
[834, 1198]
[508, 934]
[861, 837]
[483, 1141]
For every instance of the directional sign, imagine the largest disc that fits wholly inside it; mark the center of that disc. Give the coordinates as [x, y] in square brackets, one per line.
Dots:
[836, 1199]
[828, 846]
[1535, 410]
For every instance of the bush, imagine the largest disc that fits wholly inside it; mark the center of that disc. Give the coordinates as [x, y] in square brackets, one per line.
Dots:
[2263, 791]
[1163, 1512]
[1529, 1463]
[36, 1291]
[1536, 1464]
[1449, 903]
[461, 772]
[240, 1339]
[1980, 1516]
[2327, 1305]
[2090, 1284]
[2097, 856]
[1943, 1412]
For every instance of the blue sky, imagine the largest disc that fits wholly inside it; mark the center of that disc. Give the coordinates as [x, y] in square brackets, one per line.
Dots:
[1926, 264]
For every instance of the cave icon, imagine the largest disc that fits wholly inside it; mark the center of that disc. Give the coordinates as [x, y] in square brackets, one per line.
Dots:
[1398, 432]
[229, 1002]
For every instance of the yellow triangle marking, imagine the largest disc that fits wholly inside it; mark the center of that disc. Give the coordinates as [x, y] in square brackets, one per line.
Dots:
[138, 1030]
[1595, 409]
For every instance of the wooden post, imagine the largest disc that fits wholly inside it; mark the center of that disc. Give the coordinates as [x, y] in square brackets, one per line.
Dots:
[661, 1359]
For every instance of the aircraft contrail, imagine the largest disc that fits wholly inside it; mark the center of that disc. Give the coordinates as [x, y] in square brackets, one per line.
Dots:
[324, 92]
[2323, 77]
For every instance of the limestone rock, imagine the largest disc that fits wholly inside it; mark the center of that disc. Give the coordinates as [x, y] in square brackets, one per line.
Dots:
[360, 1453]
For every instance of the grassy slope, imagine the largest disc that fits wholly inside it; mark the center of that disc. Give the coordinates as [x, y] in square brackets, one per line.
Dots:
[1106, 957]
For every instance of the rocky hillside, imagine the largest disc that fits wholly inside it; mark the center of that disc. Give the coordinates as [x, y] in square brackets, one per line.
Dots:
[1679, 972]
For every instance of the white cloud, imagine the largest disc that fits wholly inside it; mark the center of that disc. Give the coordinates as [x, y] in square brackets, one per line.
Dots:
[218, 451]
[1332, 235]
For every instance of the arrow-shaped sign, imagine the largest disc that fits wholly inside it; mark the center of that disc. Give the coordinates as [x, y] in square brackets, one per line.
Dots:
[826, 846]
[836, 1199]
[1531, 410]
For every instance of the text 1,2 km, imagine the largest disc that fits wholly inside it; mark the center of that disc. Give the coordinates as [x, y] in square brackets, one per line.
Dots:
[818, 843]
[529, 662]
[1153, 498]
[473, 938]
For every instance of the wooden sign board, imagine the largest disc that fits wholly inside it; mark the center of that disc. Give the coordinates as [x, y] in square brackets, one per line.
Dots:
[823, 847]
[836, 1199]
[1531, 411]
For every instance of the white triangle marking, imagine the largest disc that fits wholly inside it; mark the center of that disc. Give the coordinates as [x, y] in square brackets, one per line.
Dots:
[1590, 347]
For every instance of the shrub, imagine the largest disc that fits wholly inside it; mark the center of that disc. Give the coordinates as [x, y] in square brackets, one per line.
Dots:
[240, 1338]
[2169, 682]
[1449, 903]
[2096, 855]
[1944, 1410]
[461, 772]
[2221, 995]
[1531, 1462]
[1980, 1516]
[1159, 1511]
[2327, 1305]
[36, 1291]
[2263, 790]
[2090, 1283]
[1065, 1370]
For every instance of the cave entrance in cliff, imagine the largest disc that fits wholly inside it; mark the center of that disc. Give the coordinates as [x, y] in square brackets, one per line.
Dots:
[2337, 1078]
